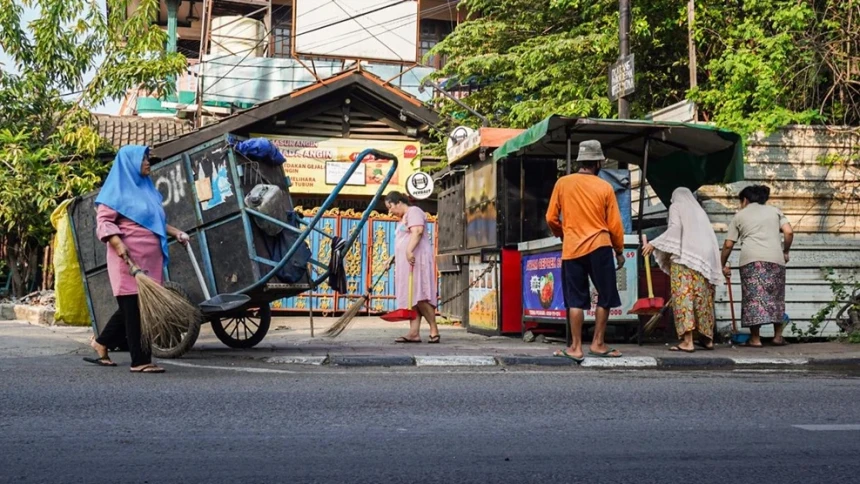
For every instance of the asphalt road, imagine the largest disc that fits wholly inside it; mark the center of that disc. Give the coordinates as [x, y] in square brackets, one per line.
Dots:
[62, 421]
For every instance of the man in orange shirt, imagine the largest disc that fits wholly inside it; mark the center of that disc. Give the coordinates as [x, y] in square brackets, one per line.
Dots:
[583, 212]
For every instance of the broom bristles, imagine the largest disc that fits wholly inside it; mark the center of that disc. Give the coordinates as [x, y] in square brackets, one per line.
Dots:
[162, 311]
[344, 321]
[652, 323]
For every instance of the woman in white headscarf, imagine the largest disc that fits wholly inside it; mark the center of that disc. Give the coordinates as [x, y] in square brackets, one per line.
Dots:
[689, 253]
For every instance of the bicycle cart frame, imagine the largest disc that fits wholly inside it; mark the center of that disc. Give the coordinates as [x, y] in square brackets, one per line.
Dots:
[212, 231]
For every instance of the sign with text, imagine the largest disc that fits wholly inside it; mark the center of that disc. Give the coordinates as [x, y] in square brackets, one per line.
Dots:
[316, 165]
[621, 80]
[543, 295]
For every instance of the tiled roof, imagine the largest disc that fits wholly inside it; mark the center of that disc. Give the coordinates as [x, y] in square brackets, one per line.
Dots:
[134, 130]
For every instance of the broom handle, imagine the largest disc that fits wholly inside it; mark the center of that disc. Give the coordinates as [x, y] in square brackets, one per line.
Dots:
[648, 270]
[411, 271]
[648, 277]
[732, 305]
[197, 271]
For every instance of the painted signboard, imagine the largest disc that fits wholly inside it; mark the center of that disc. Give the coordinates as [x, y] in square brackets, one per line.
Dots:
[542, 287]
[316, 165]
[481, 205]
[483, 297]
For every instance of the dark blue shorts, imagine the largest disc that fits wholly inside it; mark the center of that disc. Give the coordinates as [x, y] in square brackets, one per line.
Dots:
[599, 266]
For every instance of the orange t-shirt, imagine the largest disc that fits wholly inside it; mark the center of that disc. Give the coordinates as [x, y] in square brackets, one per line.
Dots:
[584, 213]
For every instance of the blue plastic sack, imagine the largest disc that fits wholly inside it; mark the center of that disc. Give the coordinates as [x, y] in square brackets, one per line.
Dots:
[261, 149]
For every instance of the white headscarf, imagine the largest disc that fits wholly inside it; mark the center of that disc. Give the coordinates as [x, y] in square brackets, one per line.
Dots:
[689, 240]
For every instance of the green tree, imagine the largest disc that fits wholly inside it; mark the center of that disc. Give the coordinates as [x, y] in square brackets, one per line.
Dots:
[528, 59]
[769, 63]
[49, 150]
[762, 64]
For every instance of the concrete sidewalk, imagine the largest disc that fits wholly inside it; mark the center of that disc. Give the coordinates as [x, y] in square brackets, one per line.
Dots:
[370, 342]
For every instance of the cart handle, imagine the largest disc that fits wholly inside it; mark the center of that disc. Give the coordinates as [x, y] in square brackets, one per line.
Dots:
[326, 205]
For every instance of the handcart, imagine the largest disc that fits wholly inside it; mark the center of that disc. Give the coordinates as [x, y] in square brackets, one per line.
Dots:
[247, 258]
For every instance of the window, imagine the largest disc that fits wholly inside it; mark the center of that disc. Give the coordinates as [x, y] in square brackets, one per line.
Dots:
[432, 32]
[282, 28]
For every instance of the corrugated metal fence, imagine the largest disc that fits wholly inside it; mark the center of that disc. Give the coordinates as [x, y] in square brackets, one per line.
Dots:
[813, 176]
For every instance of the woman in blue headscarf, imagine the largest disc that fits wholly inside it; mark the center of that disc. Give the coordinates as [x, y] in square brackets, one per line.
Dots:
[131, 221]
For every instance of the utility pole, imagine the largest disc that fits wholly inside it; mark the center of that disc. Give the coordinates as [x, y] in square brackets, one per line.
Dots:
[691, 18]
[624, 41]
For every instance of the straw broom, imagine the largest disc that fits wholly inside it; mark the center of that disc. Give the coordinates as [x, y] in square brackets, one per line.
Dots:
[162, 311]
[341, 324]
[652, 323]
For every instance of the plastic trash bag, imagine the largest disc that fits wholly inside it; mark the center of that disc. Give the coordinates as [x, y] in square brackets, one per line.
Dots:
[68, 282]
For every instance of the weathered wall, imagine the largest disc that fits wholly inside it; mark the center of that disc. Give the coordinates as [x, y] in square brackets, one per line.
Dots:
[813, 176]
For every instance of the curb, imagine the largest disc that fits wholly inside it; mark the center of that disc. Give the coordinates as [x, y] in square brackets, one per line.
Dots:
[455, 361]
[371, 360]
[31, 314]
[298, 360]
[625, 362]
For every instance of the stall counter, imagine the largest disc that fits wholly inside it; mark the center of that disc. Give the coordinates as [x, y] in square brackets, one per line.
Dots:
[543, 300]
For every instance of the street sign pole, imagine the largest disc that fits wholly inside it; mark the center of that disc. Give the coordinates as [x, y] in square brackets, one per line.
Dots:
[624, 41]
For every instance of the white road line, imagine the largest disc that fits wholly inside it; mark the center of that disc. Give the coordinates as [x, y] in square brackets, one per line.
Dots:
[449, 370]
[771, 361]
[830, 427]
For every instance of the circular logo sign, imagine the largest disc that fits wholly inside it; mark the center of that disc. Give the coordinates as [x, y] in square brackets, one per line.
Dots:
[419, 185]
[410, 151]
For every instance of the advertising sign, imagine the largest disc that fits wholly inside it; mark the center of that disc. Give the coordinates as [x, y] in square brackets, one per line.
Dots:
[542, 287]
[483, 297]
[316, 165]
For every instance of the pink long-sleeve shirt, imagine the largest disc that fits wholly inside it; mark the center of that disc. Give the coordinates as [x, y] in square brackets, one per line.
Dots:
[144, 248]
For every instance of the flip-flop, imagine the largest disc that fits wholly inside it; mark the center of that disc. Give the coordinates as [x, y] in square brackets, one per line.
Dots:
[565, 354]
[678, 348]
[434, 340]
[403, 339]
[703, 346]
[148, 369]
[606, 354]
[103, 361]
[781, 343]
[748, 345]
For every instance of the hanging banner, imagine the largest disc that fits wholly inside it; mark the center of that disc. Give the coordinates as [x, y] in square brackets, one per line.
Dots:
[316, 165]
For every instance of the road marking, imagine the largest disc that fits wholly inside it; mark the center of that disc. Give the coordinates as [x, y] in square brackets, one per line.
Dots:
[830, 427]
[298, 360]
[242, 369]
[771, 361]
[455, 361]
[622, 362]
[449, 370]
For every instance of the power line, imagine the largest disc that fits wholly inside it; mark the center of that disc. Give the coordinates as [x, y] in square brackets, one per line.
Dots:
[277, 68]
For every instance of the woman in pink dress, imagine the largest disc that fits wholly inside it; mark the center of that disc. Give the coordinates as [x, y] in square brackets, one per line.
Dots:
[130, 219]
[413, 253]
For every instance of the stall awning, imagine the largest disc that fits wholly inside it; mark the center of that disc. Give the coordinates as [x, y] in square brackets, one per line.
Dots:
[688, 155]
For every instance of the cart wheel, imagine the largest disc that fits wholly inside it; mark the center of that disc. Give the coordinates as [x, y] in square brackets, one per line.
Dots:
[245, 331]
[528, 337]
[175, 342]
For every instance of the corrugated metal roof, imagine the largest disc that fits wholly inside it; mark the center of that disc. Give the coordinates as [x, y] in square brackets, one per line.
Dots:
[134, 130]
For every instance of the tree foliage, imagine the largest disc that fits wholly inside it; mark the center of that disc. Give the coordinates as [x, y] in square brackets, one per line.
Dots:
[49, 149]
[762, 63]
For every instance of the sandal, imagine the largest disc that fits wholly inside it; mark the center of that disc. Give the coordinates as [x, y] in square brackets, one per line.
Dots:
[678, 348]
[703, 345]
[565, 354]
[150, 368]
[404, 339]
[434, 339]
[102, 361]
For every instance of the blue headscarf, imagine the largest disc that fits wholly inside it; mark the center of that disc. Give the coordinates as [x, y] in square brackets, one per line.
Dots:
[133, 195]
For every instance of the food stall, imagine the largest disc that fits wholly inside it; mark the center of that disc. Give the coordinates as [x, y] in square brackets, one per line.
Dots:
[473, 269]
[670, 155]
